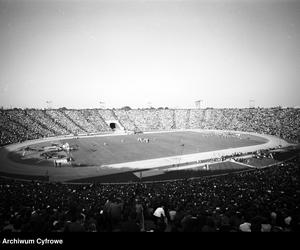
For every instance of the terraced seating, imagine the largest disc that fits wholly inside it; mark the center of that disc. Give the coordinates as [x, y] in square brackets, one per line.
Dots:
[61, 119]
[19, 125]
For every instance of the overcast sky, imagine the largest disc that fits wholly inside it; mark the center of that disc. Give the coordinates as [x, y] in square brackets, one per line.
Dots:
[136, 52]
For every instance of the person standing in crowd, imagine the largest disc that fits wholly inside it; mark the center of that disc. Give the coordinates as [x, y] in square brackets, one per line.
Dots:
[160, 218]
[140, 214]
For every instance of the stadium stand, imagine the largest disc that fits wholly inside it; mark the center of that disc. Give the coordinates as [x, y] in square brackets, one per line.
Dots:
[262, 200]
[65, 121]
[95, 122]
[48, 122]
[20, 125]
[124, 119]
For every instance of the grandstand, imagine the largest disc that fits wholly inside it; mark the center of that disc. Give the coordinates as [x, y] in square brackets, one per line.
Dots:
[20, 125]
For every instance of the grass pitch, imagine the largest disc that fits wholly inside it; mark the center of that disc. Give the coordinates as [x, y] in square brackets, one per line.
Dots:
[106, 150]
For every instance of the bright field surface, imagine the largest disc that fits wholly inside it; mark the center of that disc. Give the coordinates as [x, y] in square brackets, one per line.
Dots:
[126, 148]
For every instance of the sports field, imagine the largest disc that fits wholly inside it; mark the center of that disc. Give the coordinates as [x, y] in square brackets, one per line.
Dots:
[104, 150]
[121, 157]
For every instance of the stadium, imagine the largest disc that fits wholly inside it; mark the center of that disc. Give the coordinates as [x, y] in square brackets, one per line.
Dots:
[148, 116]
[84, 152]
[107, 145]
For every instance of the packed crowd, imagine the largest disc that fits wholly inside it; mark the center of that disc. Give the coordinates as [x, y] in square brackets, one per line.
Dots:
[94, 122]
[261, 200]
[60, 117]
[12, 128]
[123, 117]
[18, 125]
[47, 122]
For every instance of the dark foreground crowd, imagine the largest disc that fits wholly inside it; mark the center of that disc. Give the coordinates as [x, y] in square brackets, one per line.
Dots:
[261, 200]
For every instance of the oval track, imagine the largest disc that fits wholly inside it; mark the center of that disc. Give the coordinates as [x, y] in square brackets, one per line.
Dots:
[71, 173]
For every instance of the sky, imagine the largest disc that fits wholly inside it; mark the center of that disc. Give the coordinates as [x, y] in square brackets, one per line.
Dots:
[140, 53]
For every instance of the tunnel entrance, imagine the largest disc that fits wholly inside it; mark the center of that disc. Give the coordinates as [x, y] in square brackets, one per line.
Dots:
[112, 125]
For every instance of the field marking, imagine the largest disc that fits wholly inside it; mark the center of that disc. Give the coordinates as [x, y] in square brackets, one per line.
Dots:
[247, 165]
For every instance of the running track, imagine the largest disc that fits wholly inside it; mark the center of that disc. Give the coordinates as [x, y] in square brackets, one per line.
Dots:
[70, 173]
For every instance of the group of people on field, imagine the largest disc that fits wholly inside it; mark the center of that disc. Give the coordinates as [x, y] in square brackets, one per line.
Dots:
[144, 140]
